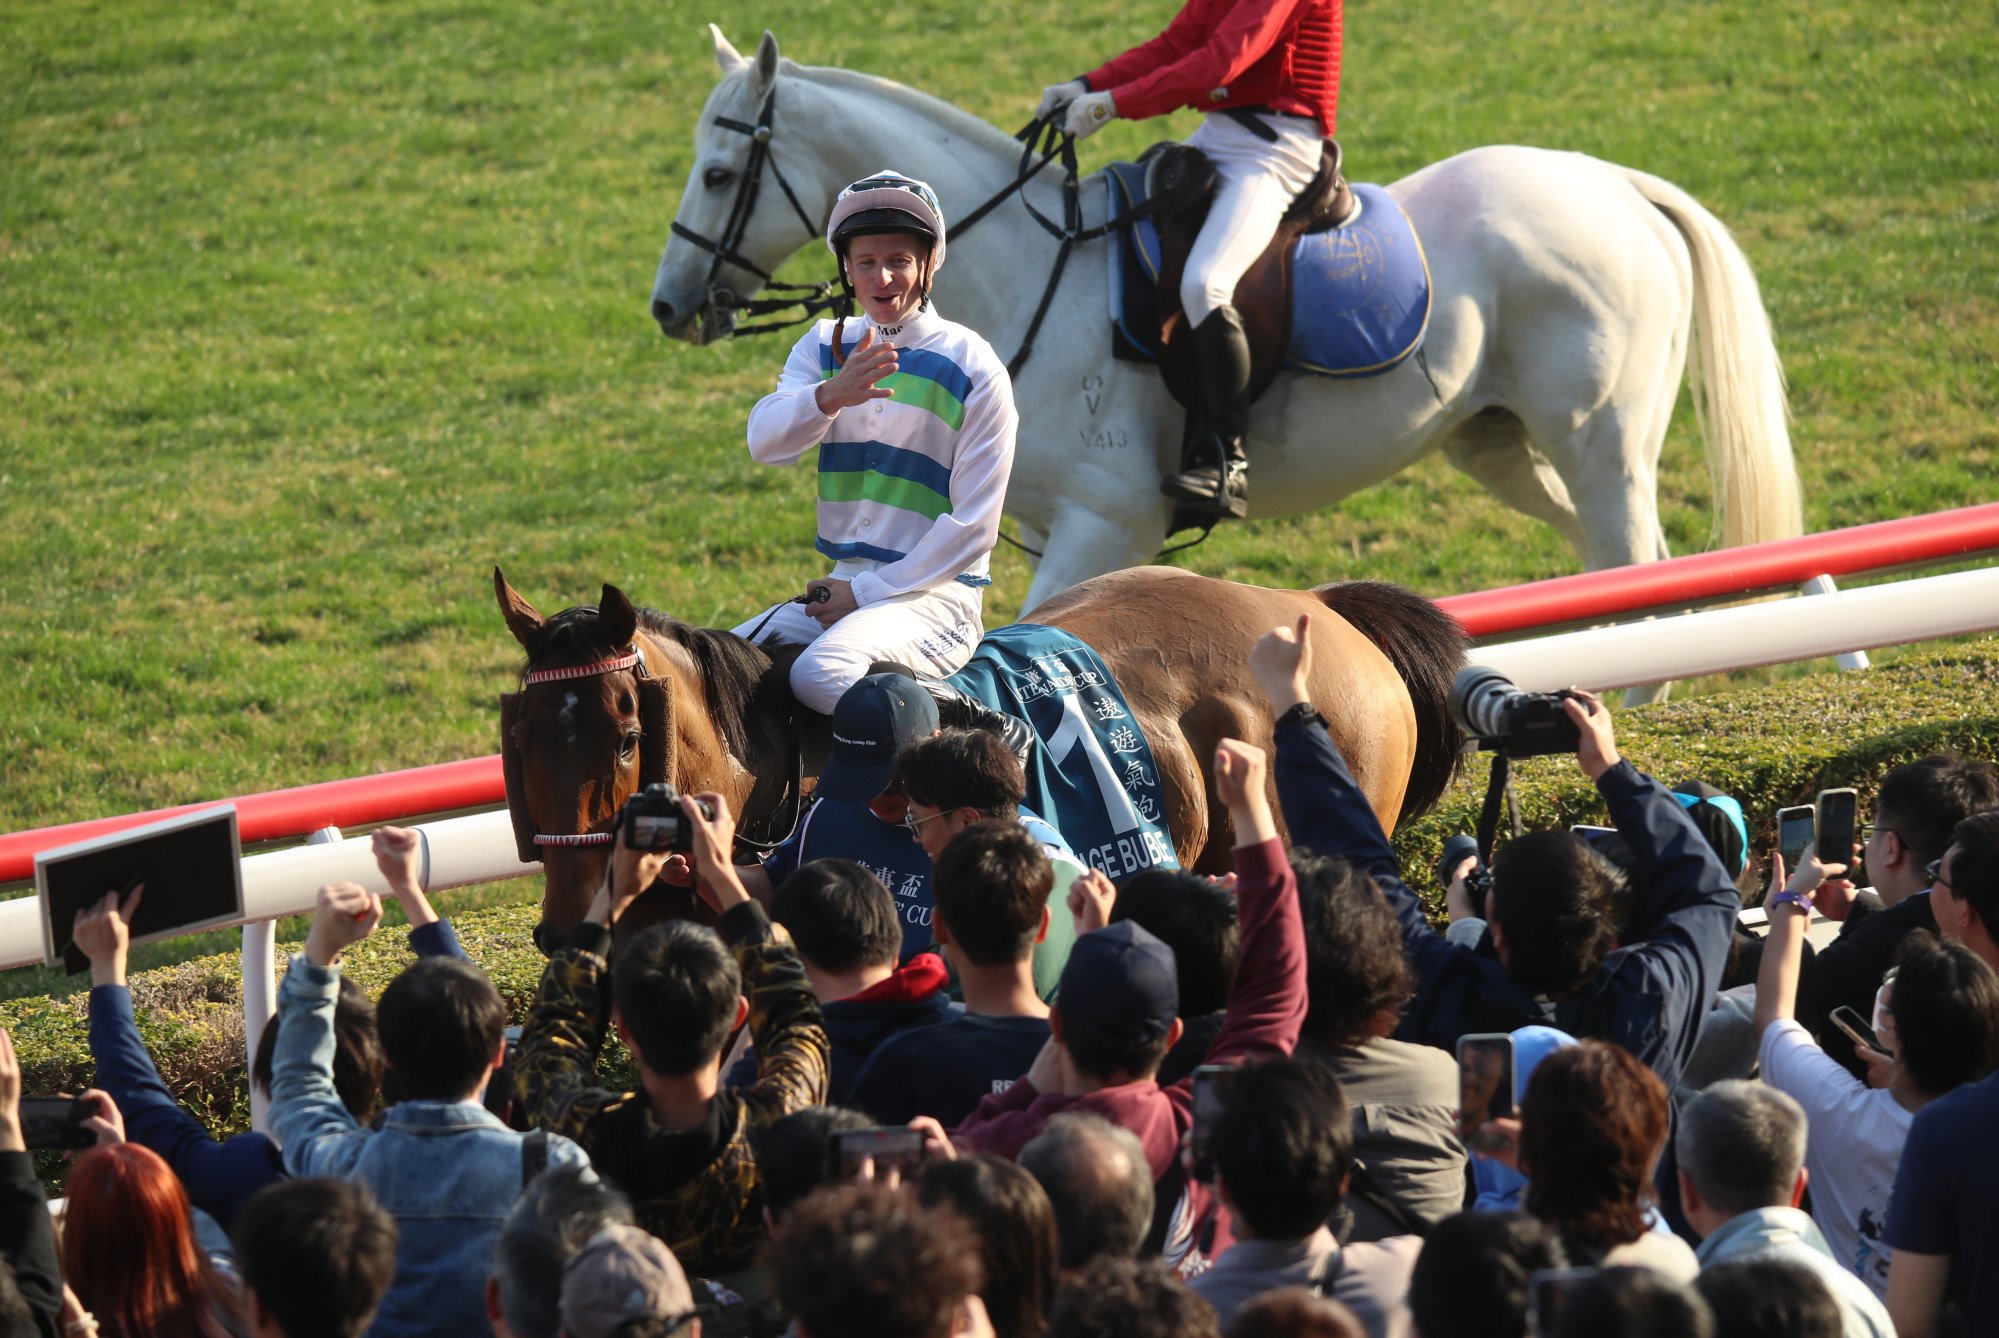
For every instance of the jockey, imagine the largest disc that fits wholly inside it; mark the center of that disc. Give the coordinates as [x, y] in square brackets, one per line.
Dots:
[1267, 72]
[914, 419]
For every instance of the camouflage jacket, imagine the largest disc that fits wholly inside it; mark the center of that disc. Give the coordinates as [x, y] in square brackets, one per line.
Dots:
[708, 1210]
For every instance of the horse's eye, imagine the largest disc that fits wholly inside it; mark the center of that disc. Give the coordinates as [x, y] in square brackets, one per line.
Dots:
[717, 177]
[628, 746]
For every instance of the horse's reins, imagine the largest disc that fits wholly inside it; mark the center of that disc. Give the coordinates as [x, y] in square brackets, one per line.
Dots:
[635, 659]
[1041, 142]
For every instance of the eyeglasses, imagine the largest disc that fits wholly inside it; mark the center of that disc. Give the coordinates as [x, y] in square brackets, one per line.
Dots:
[914, 823]
[1933, 871]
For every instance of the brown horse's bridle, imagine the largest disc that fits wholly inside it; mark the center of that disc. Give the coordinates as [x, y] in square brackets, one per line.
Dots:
[653, 759]
[655, 756]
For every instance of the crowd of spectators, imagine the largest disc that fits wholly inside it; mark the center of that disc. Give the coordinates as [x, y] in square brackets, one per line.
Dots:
[929, 1076]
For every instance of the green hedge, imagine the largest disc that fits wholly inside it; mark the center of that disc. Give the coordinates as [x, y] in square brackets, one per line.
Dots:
[1767, 746]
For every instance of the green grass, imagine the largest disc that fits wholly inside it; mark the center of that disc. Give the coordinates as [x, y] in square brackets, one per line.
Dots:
[310, 313]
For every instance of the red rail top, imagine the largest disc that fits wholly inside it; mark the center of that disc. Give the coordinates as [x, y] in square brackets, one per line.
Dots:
[276, 814]
[1680, 582]
[1591, 597]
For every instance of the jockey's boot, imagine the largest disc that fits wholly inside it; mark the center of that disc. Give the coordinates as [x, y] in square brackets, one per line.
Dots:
[1216, 478]
[957, 710]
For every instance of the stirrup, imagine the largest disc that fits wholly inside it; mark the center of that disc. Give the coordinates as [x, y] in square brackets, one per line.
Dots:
[1222, 492]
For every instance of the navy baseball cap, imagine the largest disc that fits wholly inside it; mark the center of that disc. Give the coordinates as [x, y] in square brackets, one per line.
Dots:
[1120, 987]
[873, 721]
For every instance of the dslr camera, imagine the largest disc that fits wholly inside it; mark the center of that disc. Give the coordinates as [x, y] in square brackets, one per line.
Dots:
[652, 820]
[1506, 720]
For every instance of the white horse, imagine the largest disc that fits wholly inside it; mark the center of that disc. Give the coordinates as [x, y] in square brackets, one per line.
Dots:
[1566, 290]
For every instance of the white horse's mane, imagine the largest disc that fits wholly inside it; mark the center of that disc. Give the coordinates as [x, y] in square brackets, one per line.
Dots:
[931, 109]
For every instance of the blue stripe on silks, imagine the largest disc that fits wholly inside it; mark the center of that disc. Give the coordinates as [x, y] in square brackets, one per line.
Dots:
[914, 362]
[843, 457]
[839, 552]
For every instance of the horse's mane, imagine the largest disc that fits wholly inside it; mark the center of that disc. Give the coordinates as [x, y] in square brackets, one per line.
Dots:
[932, 109]
[737, 675]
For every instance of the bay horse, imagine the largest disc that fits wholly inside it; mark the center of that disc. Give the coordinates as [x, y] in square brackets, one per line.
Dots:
[614, 696]
[1568, 292]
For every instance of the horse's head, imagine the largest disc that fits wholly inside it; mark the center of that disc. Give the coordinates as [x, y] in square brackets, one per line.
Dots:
[750, 209]
[615, 697]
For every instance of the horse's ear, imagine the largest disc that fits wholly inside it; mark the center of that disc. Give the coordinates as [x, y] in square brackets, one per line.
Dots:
[726, 56]
[617, 620]
[521, 618]
[764, 69]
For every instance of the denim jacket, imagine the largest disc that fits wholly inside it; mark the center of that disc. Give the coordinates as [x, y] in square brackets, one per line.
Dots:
[447, 1171]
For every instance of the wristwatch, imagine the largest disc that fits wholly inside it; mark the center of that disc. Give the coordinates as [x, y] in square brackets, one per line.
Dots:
[1304, 713]
[1802, 900]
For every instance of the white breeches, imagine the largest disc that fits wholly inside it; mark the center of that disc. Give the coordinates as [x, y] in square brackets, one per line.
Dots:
[1258, 182]
[933, 631]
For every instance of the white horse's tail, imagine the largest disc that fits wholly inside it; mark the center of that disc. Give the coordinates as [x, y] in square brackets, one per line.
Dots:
[1735, 378]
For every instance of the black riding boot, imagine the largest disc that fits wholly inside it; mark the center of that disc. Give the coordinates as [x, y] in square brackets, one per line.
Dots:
[956, 710]
[1217, 479]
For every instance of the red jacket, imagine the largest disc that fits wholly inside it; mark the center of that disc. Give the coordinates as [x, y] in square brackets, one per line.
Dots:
[1266, 1010]
[1216, 54]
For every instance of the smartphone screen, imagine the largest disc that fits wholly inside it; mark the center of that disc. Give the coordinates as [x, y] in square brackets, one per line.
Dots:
[1856, 1029]
[887, 1147]
[1210, 1084]
[1797, 828]
[49, 1122]
[1596, 836]
[1485, 1084]
[1838, 811]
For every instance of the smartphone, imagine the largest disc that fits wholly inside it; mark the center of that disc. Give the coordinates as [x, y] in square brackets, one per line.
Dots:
[1855, 1026]
[1797, 830]
[1548, 1289]
[887, 1147]
[1485, 1086]
[1210, 1082]
[49, 1123]
[1838, 815]
[1596, 836]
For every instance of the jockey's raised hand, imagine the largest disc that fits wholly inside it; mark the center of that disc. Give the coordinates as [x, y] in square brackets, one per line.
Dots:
[1055, 97]
[854, 384]
[1090, 113]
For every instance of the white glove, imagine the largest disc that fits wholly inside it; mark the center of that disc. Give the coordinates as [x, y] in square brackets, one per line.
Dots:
[1057, 96]
[1090, 113]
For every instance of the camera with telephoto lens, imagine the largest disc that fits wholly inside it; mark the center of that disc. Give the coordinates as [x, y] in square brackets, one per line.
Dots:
[653, 821]
[1505, 719]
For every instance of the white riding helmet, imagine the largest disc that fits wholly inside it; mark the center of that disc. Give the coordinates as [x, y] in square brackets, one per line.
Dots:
[888, 202]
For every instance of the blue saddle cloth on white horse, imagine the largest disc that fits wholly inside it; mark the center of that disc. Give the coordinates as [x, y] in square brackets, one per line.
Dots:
[1360, 292]
[1092, 773]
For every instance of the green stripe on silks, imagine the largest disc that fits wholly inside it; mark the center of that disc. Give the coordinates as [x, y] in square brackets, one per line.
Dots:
[921, 392]
[868, 486]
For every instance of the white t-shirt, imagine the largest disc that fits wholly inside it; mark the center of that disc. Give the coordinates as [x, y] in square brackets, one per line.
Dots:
[1854, 1144]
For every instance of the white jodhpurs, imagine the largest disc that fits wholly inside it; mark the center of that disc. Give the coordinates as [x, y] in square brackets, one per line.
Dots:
[933, 631]
[1258, 182]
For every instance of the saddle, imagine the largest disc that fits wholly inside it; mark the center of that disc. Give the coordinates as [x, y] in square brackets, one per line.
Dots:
[1181, 182]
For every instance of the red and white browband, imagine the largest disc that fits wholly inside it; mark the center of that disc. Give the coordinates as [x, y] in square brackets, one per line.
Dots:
[635, 660]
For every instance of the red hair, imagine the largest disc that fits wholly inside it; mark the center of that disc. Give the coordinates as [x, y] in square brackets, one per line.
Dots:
[129, 1250]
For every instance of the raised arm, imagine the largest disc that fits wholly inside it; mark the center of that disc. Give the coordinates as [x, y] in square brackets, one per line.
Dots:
[27, 1235]
[400, 855]
[319, 1136]
[1690, 900]
[1266, 1004]
[793, 1056]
